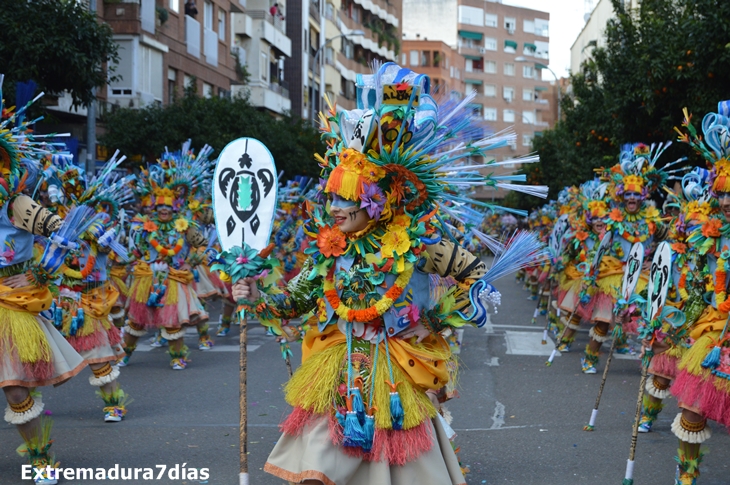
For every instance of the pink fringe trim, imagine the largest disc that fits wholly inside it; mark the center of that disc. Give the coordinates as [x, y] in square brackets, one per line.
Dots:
[37, 371]
[700, 392]
[141, 314]
[600, 303]
[296, 421]
[114, 336]
[89, 342]
[664, 365]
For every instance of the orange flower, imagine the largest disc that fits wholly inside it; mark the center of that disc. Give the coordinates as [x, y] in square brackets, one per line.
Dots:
[581, 235]
[711, 228]
[680, 248]
[615, 215]
[149, 226]
[331, 241]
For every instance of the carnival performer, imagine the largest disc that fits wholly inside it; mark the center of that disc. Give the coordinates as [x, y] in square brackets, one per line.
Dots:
[32, 352]
[82, 311]
[702, 384]
[377, 258]
[632, 219]
[161, 293]
[688, 288]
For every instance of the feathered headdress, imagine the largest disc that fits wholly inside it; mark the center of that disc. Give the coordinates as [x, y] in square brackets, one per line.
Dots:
[593, 200]
[637, 170]
[401, 149]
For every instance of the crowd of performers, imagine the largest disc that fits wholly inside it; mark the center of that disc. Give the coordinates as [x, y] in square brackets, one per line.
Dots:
[688, 349]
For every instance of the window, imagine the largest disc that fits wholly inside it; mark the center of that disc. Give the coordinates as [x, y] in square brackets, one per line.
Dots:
[208, 15]
[528, 26]
[476, 109]
[491, 20]
[125, 70]
[526, 139]
[541, 49]
[403, 59]
[329, 12]
[528, 72]
[490, 90]
[264, 66]
[510, 23]
[471, 15]
[414, 58]
[490, 114]
[490, 67]
[187, 81]
[528, 95]
[509, 69]
[425, 58]
[541, 27]
[207, 90]
[151, 74]
[175, 6]
[171, 85]
[508, 116]
[528, 117]
[221, 24]
[510, 46]
[490, 44]
[508, 94]
[329, 56]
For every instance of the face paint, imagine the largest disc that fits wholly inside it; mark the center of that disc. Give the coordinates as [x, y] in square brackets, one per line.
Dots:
[341, 203]
[353, 214]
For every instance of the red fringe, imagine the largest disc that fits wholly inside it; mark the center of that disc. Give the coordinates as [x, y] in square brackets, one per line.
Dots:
[296, 421]
[141, 314]
[38, 371]
[700, 393]
[114, 336]
[664, 365]
[167, 316]
[88, 342]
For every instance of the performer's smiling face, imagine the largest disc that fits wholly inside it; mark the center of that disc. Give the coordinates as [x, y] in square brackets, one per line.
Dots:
[598, 226]
[632, 202]
[348, 215]
[164, 213]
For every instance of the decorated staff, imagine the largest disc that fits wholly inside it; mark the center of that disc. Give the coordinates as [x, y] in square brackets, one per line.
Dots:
[654, 314]
[589, 277]
[631, 277]
[555, 247]
[244, 201]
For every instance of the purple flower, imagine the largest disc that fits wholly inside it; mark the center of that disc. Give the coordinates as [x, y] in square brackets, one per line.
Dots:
[373, 200]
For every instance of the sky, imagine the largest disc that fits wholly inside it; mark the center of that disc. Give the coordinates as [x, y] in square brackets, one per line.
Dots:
[566, 22]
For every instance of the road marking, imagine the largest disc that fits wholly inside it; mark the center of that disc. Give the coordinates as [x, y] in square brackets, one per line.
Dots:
[494, 362]
[498, 417]
[216, 348]
[527, 343]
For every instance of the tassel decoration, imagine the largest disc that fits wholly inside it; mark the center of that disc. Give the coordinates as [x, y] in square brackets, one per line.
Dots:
[713, 358]
[369, 430]
[354, 435]
[396, 407]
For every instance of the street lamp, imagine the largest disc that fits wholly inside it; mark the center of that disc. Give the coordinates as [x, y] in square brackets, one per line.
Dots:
[543, 66]
[354, 33]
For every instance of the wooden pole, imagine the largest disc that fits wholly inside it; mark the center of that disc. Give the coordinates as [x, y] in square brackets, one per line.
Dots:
[243, 414]
[549, 309]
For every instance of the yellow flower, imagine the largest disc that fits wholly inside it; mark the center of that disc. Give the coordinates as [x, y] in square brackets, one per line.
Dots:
[181, 225]
[396, 241]
[193, 205]
[651, 212]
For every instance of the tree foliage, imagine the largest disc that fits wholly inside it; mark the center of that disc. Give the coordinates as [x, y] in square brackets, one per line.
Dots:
[216, 122]
[667, 55]
[58, 44]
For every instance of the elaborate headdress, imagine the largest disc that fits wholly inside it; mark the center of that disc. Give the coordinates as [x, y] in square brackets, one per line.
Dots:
[177, 177]
[593, 200]
[714, 147]
[401, 149]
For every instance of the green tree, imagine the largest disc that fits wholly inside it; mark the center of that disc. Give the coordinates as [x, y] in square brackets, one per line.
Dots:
[58, 44]
[216, 122]
[667, 55]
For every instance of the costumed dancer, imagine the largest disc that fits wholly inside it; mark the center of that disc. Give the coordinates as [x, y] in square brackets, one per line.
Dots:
[32, 352]
[161, 293]
[632, 219]
[702, 384]
[83, 309]
[376, 259]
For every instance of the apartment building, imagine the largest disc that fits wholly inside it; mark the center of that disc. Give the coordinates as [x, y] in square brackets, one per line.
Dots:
[505, 50]
[441, 62]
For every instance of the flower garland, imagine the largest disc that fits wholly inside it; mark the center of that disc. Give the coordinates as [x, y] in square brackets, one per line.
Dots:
[86, 270]
[372, 312]
[720, 284]
[164, 251]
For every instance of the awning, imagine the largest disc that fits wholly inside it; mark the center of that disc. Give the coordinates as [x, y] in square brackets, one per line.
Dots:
[540, 66]
[532, 47]
[510, 43]
[473, 81]
[540, 88]
[471, 35]
[473, 106]
[473, 58]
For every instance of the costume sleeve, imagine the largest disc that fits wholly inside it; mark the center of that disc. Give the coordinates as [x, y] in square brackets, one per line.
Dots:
[445, 258]
[32, 217]
[297, 298]
[196, 238]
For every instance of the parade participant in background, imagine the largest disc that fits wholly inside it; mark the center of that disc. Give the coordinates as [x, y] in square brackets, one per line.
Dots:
[702, 384]
[32, 352]
[161, 293]
[632, 219]
[377, 259]
[82, 311]
[696, 208]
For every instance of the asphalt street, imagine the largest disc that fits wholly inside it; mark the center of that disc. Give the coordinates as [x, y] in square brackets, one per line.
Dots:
[518, 421]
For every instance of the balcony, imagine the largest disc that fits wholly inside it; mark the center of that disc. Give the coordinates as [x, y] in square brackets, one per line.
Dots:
[241, 24]
[368, 41]
[271, 29]
[210, 46]
[271, 96]
[314, 10]
[149, 16]
[381, 9]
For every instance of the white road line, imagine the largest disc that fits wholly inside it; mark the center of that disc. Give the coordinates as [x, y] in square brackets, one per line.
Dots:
[498, 417]
[216, 348]
[494, 362]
